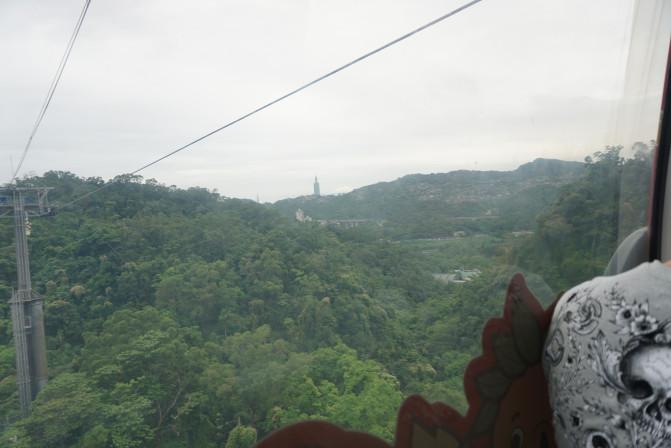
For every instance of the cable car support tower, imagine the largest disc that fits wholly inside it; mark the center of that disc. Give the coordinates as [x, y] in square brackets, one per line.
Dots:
[26, 305]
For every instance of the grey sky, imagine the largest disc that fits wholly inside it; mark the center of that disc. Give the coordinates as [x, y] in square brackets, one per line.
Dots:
[496, 86]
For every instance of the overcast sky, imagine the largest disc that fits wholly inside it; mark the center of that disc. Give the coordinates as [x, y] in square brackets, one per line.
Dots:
[491, 88]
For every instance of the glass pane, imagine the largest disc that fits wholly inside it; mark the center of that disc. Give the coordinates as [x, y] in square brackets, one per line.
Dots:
[340, 251]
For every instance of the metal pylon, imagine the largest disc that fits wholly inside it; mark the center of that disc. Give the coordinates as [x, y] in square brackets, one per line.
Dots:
[26, 306]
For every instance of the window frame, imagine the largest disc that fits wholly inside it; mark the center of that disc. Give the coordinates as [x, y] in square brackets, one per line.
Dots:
[660, 200]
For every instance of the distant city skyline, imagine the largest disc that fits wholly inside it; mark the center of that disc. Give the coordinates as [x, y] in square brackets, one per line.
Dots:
[491, 88]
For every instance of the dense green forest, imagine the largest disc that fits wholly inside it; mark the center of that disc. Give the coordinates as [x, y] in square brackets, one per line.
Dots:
[182, 318]
[577, 235]
[439, 204]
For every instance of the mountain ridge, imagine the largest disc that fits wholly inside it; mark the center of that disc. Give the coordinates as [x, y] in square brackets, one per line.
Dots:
[424, 205]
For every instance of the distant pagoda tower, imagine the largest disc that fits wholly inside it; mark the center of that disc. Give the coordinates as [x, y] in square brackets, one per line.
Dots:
[316, 188]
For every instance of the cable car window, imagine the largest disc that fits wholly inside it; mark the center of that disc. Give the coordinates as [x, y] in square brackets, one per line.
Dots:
[244, 215]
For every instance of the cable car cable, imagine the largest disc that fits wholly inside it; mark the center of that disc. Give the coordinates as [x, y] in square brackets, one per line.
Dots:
[52, 87]
[287, 95]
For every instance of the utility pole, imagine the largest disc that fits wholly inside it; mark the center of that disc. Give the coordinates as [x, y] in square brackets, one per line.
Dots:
[26, 305]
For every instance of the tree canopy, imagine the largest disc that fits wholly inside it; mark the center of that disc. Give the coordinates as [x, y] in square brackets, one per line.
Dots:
[182, 318]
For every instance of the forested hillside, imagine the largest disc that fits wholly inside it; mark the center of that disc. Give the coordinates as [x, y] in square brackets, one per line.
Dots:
[181, 318]
[435, 205]
[577, 235]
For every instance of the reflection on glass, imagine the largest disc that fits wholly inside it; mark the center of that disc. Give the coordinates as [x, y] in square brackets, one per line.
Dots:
[183, 317]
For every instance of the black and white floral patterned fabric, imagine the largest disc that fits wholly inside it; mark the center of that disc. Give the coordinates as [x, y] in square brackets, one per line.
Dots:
[607, 359]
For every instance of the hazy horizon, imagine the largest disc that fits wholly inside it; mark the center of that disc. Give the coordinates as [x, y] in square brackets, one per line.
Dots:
[496, 86]
[309, 191]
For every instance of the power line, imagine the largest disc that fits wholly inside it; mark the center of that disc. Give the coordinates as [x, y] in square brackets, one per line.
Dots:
[287, 95]
[52, 87]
